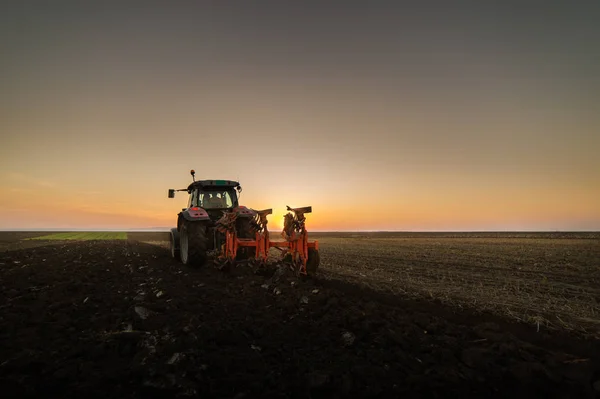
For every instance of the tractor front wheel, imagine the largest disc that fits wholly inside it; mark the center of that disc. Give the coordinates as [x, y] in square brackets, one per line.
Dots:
[193, 243]
[174, 238]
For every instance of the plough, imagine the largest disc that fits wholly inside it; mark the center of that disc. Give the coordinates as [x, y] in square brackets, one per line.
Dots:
[302, 254]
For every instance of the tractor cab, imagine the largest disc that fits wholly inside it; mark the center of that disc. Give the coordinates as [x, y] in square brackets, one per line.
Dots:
[209, 197]
[213, 196]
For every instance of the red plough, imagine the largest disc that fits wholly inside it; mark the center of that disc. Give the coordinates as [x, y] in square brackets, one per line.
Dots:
[296, 249]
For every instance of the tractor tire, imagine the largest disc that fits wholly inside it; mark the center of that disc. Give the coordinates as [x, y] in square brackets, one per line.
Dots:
[193, 243]
[244, 230]
[174, 241]
[313, 262]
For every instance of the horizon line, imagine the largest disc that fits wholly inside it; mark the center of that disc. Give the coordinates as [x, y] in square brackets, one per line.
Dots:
[167, 229]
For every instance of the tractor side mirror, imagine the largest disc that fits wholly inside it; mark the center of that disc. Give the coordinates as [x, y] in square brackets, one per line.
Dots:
[239, 189]
[171, 193]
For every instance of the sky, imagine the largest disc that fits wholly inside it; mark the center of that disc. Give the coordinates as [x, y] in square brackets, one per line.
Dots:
[381, 115]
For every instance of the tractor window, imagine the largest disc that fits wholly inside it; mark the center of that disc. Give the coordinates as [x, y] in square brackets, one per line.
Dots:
[226, 198]
[216, 200]
[203, 200]
[197, 198]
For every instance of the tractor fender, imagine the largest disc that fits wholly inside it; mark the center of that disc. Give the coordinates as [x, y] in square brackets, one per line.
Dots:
[194, 214]
[244, 212]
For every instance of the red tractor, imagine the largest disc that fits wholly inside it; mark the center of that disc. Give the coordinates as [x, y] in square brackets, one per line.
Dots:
[214, 222]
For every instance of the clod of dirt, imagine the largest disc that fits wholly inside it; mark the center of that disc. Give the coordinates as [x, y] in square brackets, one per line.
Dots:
[256, 348]
[277, 291]
[304, 300]
[475, 357]
[265, 286]
[280, 271]
[315, 291]
[156, 386]
[142, 312]
[140, 297]
[159, 294]
[175, 358]
[348, 338]
[489, 331]
[317, 380]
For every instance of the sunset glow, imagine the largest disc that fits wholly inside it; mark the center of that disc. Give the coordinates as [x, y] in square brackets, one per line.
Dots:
[396, 120]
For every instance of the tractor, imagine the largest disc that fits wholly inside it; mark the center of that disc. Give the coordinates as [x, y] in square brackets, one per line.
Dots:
[215, 223]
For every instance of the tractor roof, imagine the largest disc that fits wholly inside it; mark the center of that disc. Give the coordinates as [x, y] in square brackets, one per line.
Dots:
[222, 184]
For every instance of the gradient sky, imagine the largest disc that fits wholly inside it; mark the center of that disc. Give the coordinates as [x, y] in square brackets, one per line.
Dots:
[441, 115]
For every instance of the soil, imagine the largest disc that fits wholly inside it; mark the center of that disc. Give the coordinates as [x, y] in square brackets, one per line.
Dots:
[122, 319]
[540, 279]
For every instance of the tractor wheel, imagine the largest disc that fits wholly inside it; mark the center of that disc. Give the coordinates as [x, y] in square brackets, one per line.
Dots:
[174, 238]
[193, 242]
[312, 264]
[244, 230]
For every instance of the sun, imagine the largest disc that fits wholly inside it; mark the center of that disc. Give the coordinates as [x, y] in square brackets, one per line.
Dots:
[276, 220]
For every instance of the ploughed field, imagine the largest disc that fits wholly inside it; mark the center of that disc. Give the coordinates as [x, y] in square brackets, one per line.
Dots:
[389, 315]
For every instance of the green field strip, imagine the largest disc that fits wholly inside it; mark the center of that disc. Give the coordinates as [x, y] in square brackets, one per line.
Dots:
[83, 236]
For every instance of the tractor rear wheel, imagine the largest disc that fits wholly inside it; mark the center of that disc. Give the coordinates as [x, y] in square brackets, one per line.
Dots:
[312, 264]
[193, 243]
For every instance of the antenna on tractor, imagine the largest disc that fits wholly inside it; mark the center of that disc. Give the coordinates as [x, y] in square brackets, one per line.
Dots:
[193, 173]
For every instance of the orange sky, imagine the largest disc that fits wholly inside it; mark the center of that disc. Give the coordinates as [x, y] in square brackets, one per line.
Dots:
[463, 127]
